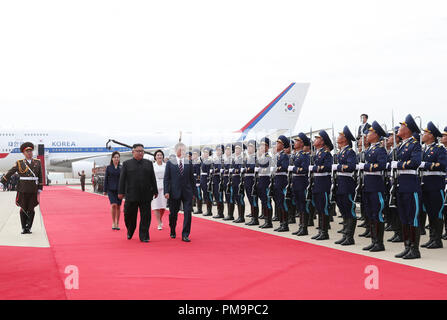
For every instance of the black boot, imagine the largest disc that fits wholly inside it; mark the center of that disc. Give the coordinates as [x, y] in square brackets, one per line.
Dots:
[380, 230]
[230, 209]
[254, 216]
[406, 238]
[372, 231]
[311, 215]
[304, 231]
[291, 213]
[444, 236]
[319, 227]
[325, 227]
[240, 214]
[300, 227]
[350, 232]
[343, 230]
[220, 209]
[367, 232]
[437, 242]
[209, 207]
[285, 220]
[431, 233]
[268, 219]
[262, 216]
[415, 236]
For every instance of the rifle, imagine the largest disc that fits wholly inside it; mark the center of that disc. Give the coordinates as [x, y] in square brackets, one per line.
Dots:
[358, 196]
[393, 190]
[221, 174]
[254, 190]
[242, 183]
[230, 177]
[210, 179]
[311, 175]
[334, 172]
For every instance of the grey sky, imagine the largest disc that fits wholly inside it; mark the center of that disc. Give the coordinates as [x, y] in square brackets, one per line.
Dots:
[129, 66]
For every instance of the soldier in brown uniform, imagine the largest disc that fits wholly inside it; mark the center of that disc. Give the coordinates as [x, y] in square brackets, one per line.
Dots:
[29, 186]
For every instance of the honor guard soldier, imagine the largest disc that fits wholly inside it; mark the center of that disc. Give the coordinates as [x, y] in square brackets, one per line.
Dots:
[237, 182]
[300, 181]
[263, 169]
[196, 164]
[217, 170]
[409, 157]
[362, 146]
[322, 181]
[249, 182]
[345, 188]
[433, 168]
[394, 218]
[273, 153]
[205, 176]
[290, 199]
[444, 143]
[29, 187]
[227, 184]
[374, 186]
[280, 183]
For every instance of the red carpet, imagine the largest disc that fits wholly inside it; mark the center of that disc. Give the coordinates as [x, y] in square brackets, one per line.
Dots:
[221, 262]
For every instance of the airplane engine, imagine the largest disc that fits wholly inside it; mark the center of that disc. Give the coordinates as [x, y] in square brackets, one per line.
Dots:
[78, 166]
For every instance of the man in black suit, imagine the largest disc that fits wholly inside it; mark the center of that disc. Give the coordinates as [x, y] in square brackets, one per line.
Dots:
[178, 187]
[364, 127]
[139, 186]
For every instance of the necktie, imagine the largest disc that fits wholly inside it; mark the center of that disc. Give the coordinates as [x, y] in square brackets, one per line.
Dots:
[181, 167]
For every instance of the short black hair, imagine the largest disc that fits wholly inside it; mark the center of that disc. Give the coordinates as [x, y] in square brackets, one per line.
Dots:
[159, 151]
[365, 115]
[136, 145]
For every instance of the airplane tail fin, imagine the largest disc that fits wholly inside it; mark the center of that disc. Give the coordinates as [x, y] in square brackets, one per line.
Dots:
[281, 114]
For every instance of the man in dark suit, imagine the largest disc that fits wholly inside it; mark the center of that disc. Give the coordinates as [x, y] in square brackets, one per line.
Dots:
[178, 187]
[139, 186]
[364, 127]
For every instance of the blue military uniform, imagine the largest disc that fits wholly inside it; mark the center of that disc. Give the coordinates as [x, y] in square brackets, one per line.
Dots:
[238, 194]
[280, 184]
[444, 236]
[322, 184]
[249, 183]
[374, 189]
[264, 184]
[227, 185]
[433, 168]
[217, 172]
[409, 155]
[396, 224]
[345, 188]
[196, 164]
[300, 182]
[205, 168]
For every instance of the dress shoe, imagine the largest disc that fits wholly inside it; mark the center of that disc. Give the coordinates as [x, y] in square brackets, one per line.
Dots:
[186, 239]
[172, 235]
[145, 240]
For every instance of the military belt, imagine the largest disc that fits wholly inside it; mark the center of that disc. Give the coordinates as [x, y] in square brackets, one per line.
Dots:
[406, 171]
[299, 174]
[375, 173]
[322, 174]
[433, 173]
[345, 174]
[29, 178]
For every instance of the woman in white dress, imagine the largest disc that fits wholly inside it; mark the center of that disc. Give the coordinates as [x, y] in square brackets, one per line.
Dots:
[159, 203]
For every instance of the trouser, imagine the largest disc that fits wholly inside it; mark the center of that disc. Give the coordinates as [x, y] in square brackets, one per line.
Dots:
[83, 186]
[408, 208]
[248, 184]
[346, 205]
[27, 202]
[130, 217]
[374, 204]
[173, 214]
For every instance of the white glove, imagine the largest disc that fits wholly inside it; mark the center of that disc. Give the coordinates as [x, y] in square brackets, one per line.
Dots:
[311, 167]
[393, 164]
[334, 167]
[361, 165]
[290, 168]
[388, 165]
[257, 169]
[422, 165]
[222, 170]
[242, 170]
[231, 170]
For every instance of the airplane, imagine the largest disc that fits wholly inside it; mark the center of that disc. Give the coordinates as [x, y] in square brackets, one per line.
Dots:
[76, 151]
